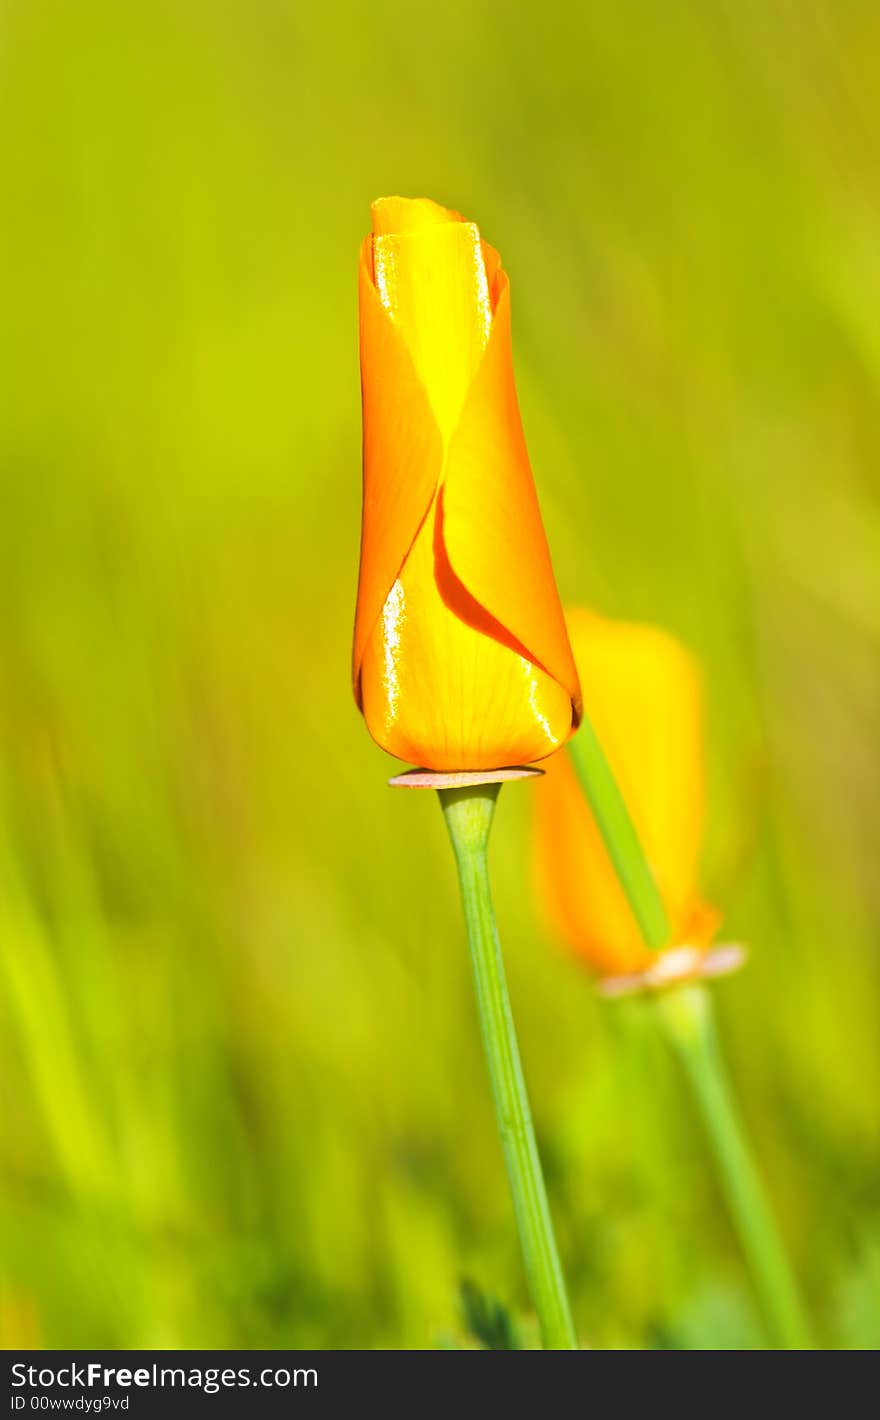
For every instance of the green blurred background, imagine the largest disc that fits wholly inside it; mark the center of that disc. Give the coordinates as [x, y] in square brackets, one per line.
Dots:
[241, 1085]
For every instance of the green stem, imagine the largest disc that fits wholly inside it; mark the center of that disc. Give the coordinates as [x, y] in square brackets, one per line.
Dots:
[468, 813]
[687, 1018]
[618, 831]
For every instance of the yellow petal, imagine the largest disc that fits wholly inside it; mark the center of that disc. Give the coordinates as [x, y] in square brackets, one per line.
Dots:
[395, 215]
[432, 280]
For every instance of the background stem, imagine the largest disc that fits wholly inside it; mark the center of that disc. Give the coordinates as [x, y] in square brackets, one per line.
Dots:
[618, 831]
[687, 1019]
[468, 813]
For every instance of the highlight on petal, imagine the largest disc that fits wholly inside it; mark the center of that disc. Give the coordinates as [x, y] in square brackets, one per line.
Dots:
[643, 694]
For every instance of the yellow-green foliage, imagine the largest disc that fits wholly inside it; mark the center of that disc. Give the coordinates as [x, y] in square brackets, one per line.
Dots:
[241, 1085]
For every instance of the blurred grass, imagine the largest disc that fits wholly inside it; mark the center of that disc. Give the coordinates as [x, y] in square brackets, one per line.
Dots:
[240, 1079]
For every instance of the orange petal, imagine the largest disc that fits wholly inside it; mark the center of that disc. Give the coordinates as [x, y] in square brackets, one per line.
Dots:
[643, 694]
[579, 892]
[403, 457]
[492, 524]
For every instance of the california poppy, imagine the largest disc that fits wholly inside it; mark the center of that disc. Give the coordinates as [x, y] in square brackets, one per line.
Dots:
[643, 696]
[461, 656]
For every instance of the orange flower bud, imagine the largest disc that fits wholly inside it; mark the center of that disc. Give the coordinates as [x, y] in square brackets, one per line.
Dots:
[461, 656]
[643, 695]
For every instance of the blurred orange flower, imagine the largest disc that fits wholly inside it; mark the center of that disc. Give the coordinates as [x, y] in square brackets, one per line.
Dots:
[643, 696]
[461, 656]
